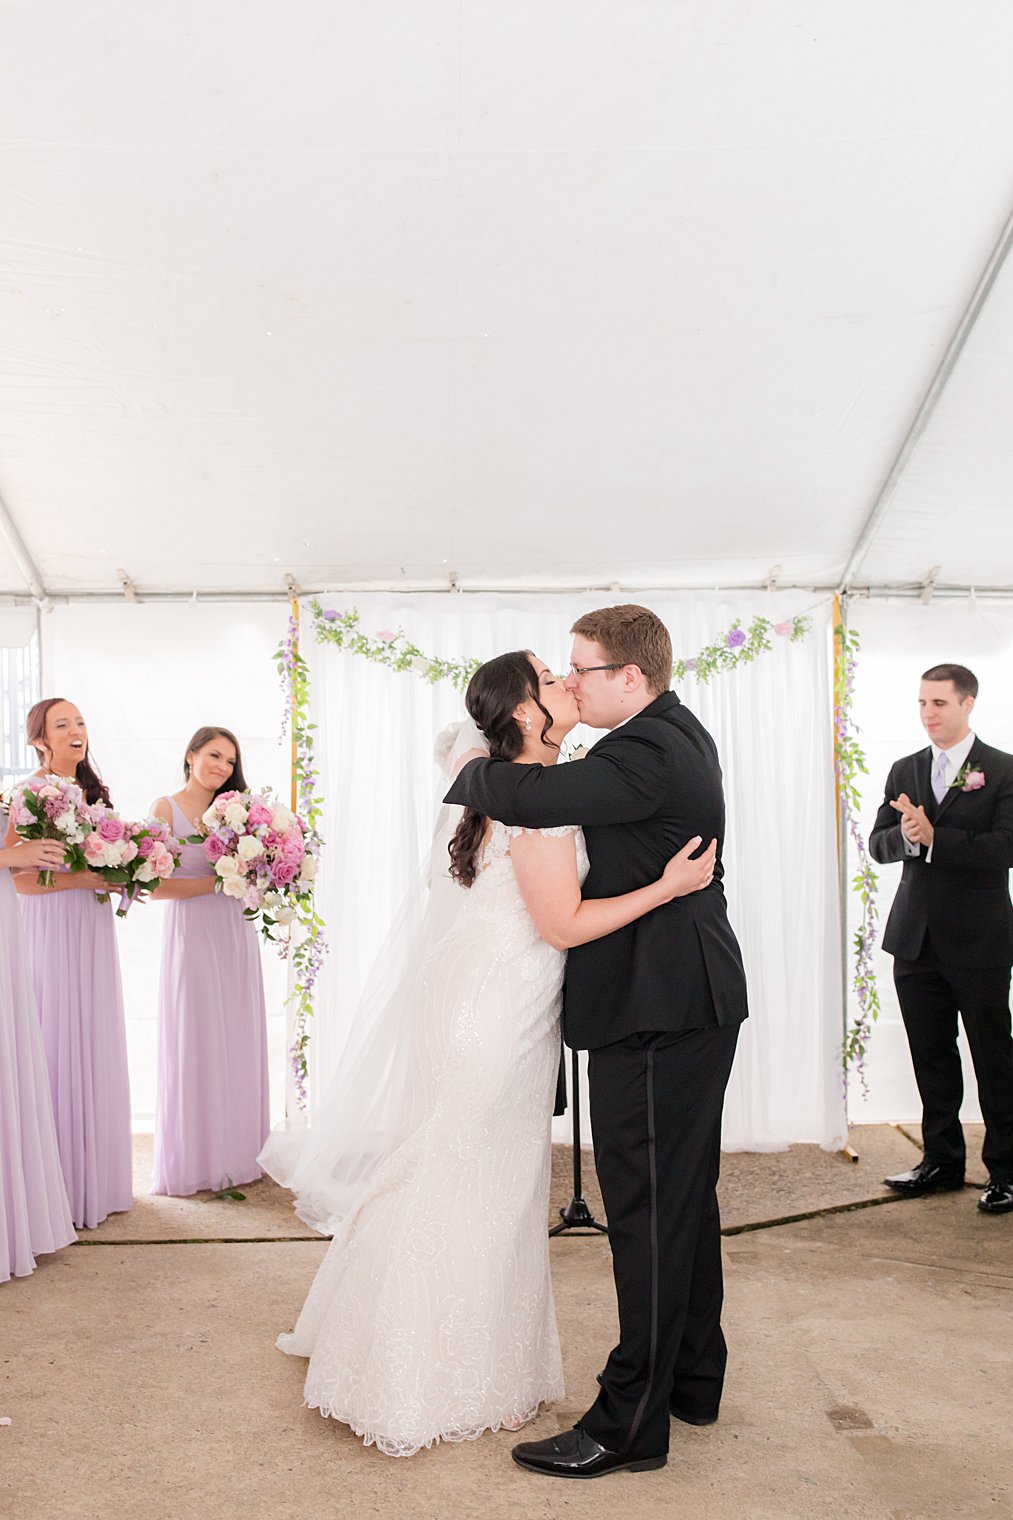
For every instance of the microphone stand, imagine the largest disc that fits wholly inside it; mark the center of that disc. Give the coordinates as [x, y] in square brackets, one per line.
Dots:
[577, 1218]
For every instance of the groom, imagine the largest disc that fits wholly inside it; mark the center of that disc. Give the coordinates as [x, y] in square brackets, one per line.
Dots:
[657, 1005]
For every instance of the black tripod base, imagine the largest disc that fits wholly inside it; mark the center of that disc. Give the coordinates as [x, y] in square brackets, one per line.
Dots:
[577, 1216]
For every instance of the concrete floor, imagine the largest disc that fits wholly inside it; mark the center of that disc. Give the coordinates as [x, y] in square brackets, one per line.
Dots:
[871, 1373]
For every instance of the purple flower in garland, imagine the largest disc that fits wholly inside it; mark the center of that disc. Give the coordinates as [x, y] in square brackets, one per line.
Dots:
[332, 615]
[689, 665]
[735, 639]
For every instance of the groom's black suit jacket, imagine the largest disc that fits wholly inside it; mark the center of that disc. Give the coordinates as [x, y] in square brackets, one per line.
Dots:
[960, 898]
[641, 793]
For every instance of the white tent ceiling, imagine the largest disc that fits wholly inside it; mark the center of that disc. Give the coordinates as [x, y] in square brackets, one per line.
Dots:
[547, 292]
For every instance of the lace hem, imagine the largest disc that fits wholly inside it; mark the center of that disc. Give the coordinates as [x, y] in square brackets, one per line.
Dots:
[394, 1448]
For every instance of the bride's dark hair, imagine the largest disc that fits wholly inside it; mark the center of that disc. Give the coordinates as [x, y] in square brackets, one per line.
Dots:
[494, 691]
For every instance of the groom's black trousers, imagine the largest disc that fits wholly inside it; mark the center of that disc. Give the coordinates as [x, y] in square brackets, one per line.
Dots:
[656, 1115]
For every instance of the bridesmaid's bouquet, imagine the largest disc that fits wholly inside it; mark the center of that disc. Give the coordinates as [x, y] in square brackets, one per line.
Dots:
[53, 807]
[264, 855]
[130, 856]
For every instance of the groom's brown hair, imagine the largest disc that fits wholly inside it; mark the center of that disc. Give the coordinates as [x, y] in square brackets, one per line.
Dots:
[631, 635]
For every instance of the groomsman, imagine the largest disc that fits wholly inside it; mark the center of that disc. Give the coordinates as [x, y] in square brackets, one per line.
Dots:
[948, 815]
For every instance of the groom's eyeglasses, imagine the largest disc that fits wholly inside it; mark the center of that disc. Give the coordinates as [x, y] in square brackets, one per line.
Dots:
[582, 670]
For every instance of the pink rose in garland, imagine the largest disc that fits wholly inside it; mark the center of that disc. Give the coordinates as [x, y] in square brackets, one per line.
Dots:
[265, 856]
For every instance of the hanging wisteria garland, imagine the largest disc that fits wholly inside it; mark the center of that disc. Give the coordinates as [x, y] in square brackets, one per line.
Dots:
[736, 646]
[849, 764]
[308, 942]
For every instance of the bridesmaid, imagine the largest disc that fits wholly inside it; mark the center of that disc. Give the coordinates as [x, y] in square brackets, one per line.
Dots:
[211, 1105]
[76, 971]
[34, 1212]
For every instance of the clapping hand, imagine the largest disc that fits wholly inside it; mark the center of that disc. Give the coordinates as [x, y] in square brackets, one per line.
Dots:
[915, 827]
[683, 875]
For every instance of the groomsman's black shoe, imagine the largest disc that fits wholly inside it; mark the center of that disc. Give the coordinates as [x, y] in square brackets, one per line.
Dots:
[927, 1177]
[695, 1416]
[997, 1197]
[575, 1454]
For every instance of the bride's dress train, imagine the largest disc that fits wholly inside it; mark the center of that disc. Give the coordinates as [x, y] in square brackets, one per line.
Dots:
[431, 1317]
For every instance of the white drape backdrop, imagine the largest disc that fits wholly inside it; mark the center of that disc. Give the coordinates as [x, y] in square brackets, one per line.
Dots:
[772, 723]
[899, 641]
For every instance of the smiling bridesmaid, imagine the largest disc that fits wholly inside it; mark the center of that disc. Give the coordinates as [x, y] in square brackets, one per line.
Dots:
[211, 1105]
[34, 1213]
[76, 973]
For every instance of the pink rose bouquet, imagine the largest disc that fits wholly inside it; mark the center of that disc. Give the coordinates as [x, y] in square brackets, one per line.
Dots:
[264, 855]
[53, 807]
[131, 856]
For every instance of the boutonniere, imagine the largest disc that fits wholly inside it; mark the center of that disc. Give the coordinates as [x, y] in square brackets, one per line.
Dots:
[967, 779]
[577, 752]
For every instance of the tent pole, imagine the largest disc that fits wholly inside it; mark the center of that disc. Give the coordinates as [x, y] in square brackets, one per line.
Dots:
[899, 591]
[929, 403]
[294, 754]
[20, 554]
[839, 613]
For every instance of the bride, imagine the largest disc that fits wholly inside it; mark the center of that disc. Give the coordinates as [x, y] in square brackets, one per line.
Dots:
[431, 1316]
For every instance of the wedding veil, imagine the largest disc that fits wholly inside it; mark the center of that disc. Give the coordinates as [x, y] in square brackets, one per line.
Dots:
[364, 1113]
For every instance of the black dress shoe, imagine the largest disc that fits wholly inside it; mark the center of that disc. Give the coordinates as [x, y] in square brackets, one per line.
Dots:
[997, 1197]
[575, 1454]
[927, 1177]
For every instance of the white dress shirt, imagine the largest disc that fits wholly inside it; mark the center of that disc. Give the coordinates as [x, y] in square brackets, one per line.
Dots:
[955, 757]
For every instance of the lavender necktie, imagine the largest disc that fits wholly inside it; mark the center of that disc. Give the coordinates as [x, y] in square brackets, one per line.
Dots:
[939, 773]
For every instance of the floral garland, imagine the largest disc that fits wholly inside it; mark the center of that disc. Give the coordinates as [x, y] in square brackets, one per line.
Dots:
[308, 945]
[739, 646]
[389, 647]
[849, 764]
[392, 648]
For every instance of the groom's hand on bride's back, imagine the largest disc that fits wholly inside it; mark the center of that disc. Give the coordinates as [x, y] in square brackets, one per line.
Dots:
[688, 872]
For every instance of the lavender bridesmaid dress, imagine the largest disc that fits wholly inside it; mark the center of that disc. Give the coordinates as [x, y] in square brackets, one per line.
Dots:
[76, 971]
[34, 1212]
[211, 1105]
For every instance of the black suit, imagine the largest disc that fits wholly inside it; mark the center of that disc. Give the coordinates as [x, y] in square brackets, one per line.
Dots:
[950, 932]
[658, 1005]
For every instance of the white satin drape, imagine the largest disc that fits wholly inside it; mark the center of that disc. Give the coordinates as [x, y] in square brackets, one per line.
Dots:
[772, 724]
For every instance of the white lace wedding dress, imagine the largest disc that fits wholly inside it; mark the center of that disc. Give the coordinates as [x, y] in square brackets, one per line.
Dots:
[431, 1317]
